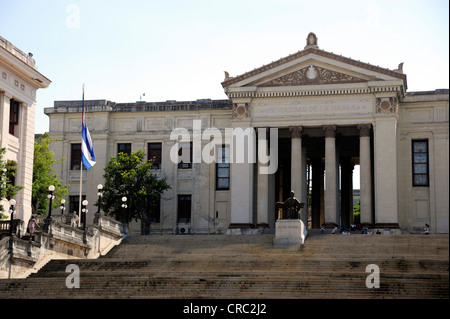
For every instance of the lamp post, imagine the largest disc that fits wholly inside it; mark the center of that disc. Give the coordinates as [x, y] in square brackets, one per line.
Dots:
[12, 203]
[100, 194]
[50, 196]
[84, 210]
[63, 202]
[124, 219]
[48, 220]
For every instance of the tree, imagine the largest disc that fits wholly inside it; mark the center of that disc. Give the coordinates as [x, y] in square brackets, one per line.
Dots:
[44, 176]
[7, 173]
[130, 176]
[357, 212]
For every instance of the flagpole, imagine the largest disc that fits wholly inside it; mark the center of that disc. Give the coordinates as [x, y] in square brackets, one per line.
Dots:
[81, 189]
[81, 165]
[87, 155]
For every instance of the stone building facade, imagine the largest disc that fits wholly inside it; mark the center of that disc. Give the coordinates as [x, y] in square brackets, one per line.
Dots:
[318, 113]
[19, 81]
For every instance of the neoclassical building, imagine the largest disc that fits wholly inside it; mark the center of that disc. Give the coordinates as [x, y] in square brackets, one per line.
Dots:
[318, 113]
[19, 81]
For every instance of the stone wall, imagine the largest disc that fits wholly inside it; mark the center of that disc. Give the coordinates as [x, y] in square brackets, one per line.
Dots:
[424, 116]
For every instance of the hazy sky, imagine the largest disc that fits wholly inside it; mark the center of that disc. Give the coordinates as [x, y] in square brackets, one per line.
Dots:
[179, 50]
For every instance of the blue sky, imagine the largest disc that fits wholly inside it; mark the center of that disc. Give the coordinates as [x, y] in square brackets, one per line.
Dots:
[178, 50]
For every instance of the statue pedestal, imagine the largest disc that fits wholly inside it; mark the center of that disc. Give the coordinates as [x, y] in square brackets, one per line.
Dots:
[289, 232]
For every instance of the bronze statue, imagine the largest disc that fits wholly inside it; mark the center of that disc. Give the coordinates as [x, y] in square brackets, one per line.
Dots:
[291, 206]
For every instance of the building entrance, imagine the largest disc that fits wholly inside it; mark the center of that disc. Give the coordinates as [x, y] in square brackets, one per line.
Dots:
[313, 150]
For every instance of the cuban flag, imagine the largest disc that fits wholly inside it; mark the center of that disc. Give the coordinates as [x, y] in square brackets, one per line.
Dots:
[87, 149]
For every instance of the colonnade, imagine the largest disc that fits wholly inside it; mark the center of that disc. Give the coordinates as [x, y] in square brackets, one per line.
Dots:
[327, 171]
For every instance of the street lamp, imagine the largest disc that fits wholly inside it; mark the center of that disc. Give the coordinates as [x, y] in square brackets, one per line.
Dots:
[50, 196]
[63, 202]
[124, 211]
[12, 203]
[100, 194]
[98, 213]
[84, 210]
[124, 206]
[48, 220]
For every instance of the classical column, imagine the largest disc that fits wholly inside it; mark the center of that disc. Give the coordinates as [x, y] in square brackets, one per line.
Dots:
[262, 217]
[26, 154]
[385, 174]
[330, 175]
[365, 174]
[241, 183]
[5, 97]
[296, 161]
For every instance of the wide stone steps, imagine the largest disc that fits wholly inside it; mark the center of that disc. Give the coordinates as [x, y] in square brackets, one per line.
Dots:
[207, 266]
[163, 266]
[315, 286]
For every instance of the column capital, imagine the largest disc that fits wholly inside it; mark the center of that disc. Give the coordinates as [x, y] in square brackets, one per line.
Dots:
[296, 131]
[364, 129]
[330, 130]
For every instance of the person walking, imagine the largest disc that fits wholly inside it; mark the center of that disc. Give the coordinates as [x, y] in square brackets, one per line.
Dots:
[32, 226]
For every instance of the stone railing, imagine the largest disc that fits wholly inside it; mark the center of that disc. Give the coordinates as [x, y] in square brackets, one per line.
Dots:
[6, 224]
[26, 58]
[20, 256]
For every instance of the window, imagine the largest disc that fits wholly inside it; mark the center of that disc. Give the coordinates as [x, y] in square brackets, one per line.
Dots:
[155, 212]
[223, 168]
[184, 209]
[154, 154]
[124, 148]
[187, 149]
[75, 156]
[420, 162]
[14, 108]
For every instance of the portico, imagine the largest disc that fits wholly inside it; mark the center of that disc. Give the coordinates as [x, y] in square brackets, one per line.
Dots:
[315, 159]
[331, 113]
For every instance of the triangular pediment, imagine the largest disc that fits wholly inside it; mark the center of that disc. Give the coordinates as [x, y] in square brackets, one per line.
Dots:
[312, 68]
[312, 75]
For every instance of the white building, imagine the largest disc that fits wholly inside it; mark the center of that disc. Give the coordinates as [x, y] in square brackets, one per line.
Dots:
[19, 81]
[330, 112]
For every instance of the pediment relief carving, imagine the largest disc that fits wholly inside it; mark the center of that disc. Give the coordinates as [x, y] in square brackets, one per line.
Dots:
[312, 75]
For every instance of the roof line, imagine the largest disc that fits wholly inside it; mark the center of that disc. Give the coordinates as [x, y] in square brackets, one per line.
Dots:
[26, 64]
[309, 50]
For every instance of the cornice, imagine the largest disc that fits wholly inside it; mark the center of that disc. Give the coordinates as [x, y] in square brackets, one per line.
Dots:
[232, 80]
[254, 92]
[23, 69]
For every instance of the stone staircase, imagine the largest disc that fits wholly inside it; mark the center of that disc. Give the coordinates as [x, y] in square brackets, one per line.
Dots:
[249, 267]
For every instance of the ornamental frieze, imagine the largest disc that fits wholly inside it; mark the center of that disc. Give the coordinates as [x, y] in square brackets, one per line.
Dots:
[386, 105]
[312, 75]
[240, 110]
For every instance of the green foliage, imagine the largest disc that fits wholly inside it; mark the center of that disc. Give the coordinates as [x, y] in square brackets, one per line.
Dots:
[7, 171]
[43, 177]
[130, 176]
[357, 211]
